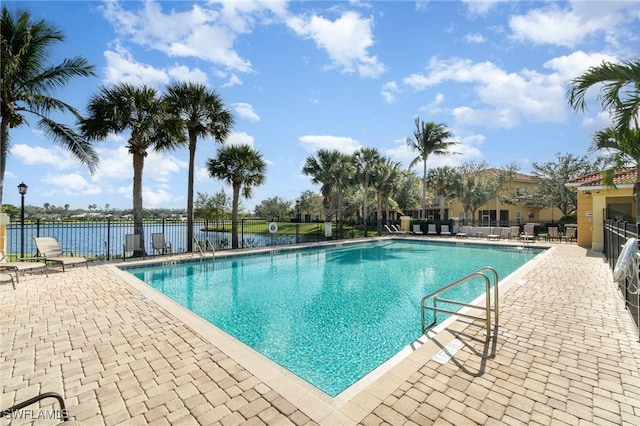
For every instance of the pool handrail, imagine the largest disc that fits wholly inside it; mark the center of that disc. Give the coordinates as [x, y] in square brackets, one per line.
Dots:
[482, 272]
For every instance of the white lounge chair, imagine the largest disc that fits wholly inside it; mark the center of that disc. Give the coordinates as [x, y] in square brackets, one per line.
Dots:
[529, 232]
[494, 233]
[159, 244]
[49, 249]
[464, 232]
[5, 278]
[398, 230]
[22, 266]
[417, 230]
[431, 229]
[444, 230]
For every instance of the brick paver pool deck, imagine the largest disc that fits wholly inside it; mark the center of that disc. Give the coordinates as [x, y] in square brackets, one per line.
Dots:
[566, 352]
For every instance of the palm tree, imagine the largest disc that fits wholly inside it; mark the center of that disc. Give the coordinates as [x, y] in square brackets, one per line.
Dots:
[625, 146]
[139, 110]
[620, 95]
[335, 171]
[620, 91]
[386, 179]
[242, 167]
[429, 138]
[28, 84]
[203, 114]
[445, 182]
[366, 160]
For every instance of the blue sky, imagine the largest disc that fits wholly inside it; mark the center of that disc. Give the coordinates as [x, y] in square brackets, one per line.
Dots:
[300, 76]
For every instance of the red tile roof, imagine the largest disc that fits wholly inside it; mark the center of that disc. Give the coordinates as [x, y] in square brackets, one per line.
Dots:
[626, 176]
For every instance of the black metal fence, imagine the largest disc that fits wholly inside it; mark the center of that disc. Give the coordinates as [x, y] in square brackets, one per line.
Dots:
[616, 235]
[104, 239]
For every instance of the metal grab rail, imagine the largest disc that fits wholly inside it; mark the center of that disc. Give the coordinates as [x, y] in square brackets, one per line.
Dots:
[479, 273]
[63, 409]
[198, 247]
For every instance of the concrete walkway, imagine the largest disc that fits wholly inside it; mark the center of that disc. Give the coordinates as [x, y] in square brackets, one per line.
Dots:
[566, 352]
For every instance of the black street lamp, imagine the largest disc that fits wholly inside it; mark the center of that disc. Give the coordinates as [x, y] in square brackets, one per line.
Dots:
[22, 189]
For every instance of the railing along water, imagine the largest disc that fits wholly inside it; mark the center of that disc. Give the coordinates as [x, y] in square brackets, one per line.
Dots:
[480, 273]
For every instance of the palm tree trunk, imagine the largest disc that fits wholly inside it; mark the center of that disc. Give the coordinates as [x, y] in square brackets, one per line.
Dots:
[4, 146]
[364, 205]
[192, 157]
[234, 216]
[138, 224]
[379, 218]
[424, 189]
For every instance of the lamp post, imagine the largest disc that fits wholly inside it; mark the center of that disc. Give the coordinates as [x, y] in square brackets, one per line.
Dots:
[22, 189]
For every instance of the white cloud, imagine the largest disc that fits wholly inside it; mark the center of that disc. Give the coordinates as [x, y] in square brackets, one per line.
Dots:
[575, 21]
[346, 40]
[240, 138]
[506, 97]
[480, 7]
[474, 38]
[346, 145]
[182, 34]
[117, 165]
[245, 110]
[183, 73]
[70, 184]
[433, 107]
[159, 197]
[389, 91]
[571, 66]
[54, 157]
[121, 67]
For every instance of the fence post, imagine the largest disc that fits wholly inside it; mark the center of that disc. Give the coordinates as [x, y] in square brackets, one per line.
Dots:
[242, 231]
[108, 239]
[297, 233]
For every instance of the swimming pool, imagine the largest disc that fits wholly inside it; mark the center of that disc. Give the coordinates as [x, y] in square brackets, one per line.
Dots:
[330, 315]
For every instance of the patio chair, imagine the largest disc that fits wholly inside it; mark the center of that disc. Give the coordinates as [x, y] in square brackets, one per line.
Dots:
[494, 233]
[570, 234]
[444, 230]
[49, 249]
[22, 266]
[431, 229]
[132, 244]
[505, 233]
[417, 230]
[514, 232]
[464, 232]
[159, 244]
[552, 233]
[398, 230]
[529, 232]
[5, 278]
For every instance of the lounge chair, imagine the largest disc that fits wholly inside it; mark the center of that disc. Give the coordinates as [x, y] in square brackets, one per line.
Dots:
[444, 230]
[505, 233]
[398, 230]
[5, 278]
[132, 244]
[431, 229]
[515, 232]
[570, 234]
[159, 244]
[49, 249]
[552, 233]
[494, 233]
[417, 230]
[22, 266]
[464, 232]
[529, 233]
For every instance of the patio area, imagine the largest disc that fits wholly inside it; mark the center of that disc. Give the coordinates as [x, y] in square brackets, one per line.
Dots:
[566, 352]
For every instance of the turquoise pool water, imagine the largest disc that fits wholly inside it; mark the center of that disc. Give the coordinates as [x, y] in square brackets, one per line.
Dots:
[329, 315]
